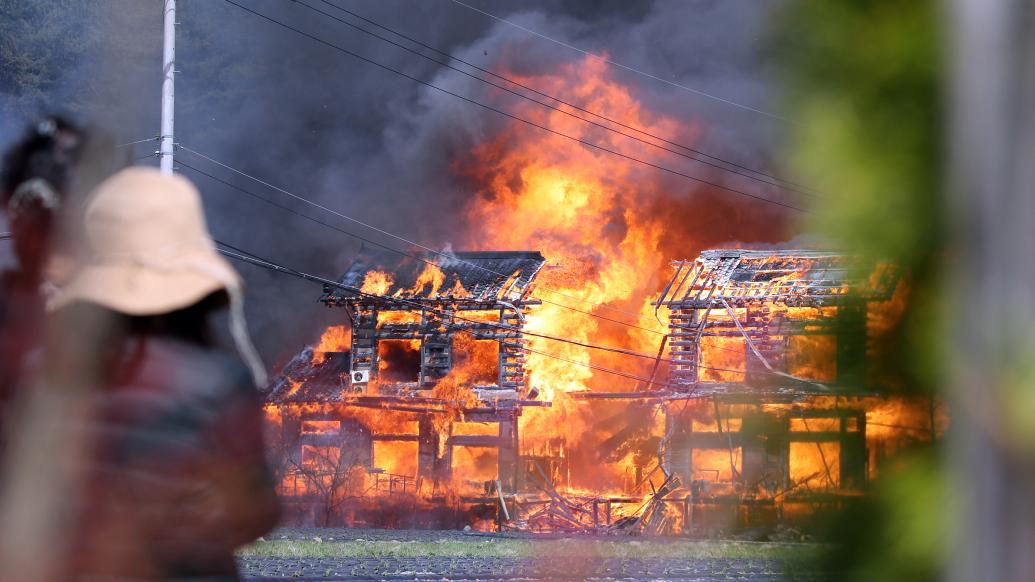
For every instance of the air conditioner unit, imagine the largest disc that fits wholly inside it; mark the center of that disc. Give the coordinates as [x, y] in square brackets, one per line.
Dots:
[360, 376]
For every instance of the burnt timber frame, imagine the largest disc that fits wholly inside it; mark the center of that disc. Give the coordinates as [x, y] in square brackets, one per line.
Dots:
[754, 282]
[476, 284]
[439, 321]
[434, 449]
[744, 294]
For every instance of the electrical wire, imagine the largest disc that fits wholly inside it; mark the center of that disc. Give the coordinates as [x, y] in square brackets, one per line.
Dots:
[394, 250]
[777, 183]
[274, 266]
[417, 304]
[599, 368]
[620, 65]
[404, 253]
[416, 257]
[7, 235]
[399, 238]
[251, 258]
[573, 106]
[123, 145]
[297, 213]
[517, 118]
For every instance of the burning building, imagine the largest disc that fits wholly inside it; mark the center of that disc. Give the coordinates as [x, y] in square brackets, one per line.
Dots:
[759, 404]
[770, 402]
[424, 391]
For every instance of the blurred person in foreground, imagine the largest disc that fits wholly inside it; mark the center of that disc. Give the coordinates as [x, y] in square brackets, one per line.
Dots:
[171, 478]
[34, 188]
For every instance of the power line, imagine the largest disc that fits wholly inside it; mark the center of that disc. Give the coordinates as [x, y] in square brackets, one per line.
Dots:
[773, 182]
[253, 259]
[598, 368]
[413, 256]
[249, 257]
[403, 253]
[273, 266]
[620, 65]
[419, 258]
[415, 304]
[8, 235]
[397, 237]
[151, 139]
[515, 117]
[295, 212]
[419, 305]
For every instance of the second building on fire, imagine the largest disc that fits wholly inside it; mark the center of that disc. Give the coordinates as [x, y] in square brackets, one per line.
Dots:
[770, 349]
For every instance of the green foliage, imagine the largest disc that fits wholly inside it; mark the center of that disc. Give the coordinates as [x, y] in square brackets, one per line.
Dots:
[100, 61]
[865, 82]
[864, 89]
[40, 41]
[898, 531]
[864, 86]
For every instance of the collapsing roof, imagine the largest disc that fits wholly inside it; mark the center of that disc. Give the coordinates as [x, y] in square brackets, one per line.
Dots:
[792, 277]
[480, 277]
[309, 379]
[725, 297]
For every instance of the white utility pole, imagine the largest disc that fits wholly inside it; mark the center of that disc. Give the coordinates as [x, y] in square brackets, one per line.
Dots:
[165, 148]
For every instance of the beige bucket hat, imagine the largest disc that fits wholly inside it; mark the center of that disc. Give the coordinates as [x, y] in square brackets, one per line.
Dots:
[149, 252]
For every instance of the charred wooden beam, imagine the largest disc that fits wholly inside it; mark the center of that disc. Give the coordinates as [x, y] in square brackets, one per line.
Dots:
[814, 436]
[434, 462]
[508, 455]
[477, 440]
[647, 396]
[396, 437]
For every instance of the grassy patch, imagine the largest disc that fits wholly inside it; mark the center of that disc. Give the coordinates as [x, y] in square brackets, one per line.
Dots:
[499, 548]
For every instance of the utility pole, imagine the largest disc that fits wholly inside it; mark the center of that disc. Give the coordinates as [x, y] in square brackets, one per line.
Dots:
[165, 149]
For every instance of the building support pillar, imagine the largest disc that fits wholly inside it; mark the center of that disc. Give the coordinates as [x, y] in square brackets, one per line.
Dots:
[507, 457]
[434, 456]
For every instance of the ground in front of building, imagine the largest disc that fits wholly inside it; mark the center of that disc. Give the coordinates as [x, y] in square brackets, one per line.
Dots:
[367, 554]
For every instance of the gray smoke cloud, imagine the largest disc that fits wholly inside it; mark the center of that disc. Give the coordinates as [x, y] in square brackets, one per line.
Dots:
[378, 147]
